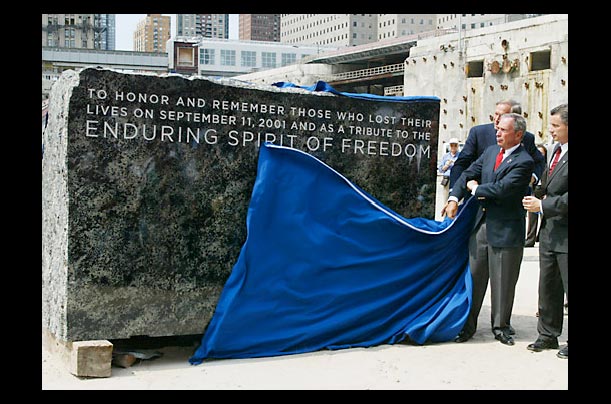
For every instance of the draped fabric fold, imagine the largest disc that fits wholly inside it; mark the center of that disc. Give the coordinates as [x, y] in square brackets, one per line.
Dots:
[327, 266]
[323, 86]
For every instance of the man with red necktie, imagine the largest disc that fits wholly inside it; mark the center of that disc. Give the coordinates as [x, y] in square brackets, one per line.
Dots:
[499, 158]
[499, 179]
[552, 202]
[482, 136]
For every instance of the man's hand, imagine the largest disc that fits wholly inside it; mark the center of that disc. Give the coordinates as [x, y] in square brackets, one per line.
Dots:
[471, 184]
[531, 204]
[450, 209]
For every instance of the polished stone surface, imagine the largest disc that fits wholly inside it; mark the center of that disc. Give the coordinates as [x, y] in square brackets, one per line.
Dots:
[147, 180]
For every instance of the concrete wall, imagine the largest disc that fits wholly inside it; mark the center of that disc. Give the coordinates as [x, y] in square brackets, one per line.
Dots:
[438, 66]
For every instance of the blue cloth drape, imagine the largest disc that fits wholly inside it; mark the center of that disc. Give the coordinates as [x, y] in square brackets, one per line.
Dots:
[323, 86]
[327, 266]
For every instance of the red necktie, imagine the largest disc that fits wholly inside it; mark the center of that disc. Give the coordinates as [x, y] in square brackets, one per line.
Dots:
[499, 158]
[556, 158]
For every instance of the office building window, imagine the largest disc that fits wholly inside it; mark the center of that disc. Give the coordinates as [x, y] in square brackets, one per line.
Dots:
[268, 59]
[248, 59]
[288, 58]
[206, 56]
[227, 57]
[69, 40]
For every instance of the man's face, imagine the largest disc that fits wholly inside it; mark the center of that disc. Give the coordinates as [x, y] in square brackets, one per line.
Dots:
[506, 136]
[558, 130]
[499, 110]
[453, 147]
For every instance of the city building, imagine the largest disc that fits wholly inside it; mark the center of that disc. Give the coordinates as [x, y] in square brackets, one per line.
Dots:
[473, 21]
[226, 57]
[72, 34]
[152, 33]
[108, 41]
[328, 29]
[204, 25]
[259, 27]
[396, 25]
[359, 29]
[86, 31]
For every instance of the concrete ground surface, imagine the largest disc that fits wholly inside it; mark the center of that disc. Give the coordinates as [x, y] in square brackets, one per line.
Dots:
[479, 364]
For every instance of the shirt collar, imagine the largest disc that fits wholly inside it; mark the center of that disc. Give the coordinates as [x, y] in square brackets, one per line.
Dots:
[510, 150]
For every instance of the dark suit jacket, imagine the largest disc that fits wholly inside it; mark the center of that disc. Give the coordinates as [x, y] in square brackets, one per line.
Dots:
[500, 194]
[554, 233]
[481, 137]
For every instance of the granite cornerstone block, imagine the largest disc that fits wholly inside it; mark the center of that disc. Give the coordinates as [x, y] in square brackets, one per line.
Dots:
[146, 182]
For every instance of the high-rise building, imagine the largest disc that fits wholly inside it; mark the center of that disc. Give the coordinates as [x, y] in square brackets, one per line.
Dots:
[396, 25]
[107, 40]
[352, 29]
[73, 30]
[152, 33]
[259, 27]
[204, 25]
[359, 29]
[329, 29]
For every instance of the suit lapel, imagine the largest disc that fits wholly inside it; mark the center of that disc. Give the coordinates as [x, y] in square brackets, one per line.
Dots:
[508, 161]
[560, 166]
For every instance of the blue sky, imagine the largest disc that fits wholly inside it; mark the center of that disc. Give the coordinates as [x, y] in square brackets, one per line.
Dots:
[125, 25]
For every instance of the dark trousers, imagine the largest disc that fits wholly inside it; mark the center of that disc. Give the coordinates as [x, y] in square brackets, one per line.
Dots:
[553, 285]
[501, 267]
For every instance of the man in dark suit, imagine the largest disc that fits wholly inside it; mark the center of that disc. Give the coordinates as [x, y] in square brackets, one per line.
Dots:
[552, 202]
[482, 136]
[499, 179]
